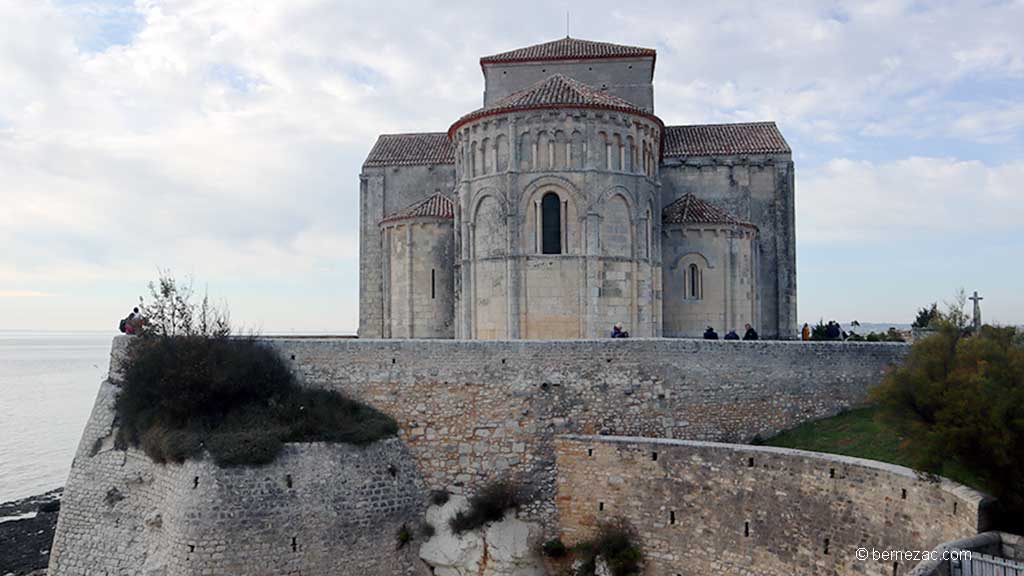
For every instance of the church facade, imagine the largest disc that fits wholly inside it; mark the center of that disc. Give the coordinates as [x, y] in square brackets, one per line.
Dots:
[565, 205]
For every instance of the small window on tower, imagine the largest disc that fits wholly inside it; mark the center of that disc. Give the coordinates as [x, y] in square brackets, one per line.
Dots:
[551, 224]
[696, 285]
[433, 291]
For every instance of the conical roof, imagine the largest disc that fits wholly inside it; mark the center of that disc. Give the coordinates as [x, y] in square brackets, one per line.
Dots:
[438, 205]
[692, 210]
[555, 91]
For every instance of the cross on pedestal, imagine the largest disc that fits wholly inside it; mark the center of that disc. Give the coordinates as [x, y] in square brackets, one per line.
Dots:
[977, 310]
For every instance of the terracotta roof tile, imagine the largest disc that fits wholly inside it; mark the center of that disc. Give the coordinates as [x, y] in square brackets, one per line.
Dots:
[568, 49]
[439, 205]
[555, 91]
[712, 139]
[692, 210]
[411, 150]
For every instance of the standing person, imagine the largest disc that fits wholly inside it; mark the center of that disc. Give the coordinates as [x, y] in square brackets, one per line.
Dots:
[129, 324]
[750, 334]
[710, 334]
[806, 332]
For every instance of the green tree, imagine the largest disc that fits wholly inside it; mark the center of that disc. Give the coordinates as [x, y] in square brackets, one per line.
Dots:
[960, 398]
[927, 315]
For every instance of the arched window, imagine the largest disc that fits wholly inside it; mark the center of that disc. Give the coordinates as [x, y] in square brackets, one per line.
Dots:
[472, 160]
[696, 284]
[551, 224]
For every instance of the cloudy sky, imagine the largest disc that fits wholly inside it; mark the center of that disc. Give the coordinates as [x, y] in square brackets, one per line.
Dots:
[223, 139]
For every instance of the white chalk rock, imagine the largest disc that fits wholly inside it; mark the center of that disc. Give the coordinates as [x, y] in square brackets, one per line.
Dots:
[506, 548]
[511, 547]
[446, 553]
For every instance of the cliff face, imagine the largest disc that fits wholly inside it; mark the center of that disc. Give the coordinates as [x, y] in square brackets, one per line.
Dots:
[318, 509]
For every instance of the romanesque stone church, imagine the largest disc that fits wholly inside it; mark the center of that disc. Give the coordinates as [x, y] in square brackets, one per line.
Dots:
[565, 205]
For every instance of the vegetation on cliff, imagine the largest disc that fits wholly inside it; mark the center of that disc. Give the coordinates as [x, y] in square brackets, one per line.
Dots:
[188, 385]
[955, 407]
[959, 398]
[488, 505]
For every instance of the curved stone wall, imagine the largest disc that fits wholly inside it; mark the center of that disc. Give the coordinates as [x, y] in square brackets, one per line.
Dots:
[708, 508]
[317, 509]
[602, 167]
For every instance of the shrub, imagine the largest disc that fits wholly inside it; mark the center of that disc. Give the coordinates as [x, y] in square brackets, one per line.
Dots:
[959, 399]
[486, 506]
[439, 497]
[554, 548]
[403, 536]
[616, 543]
[188, 386]
[234, 397]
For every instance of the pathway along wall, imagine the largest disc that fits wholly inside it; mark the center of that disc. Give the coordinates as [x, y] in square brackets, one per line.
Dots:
[472, 410]
[707, 508]
[319, 509]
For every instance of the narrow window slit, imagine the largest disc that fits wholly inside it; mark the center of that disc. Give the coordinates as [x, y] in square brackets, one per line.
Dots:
[746, 529]
[590, 451]
[288, 480]
[831, 472]
[600, 506]
[433, 291]
[654, 456]
[672, 517]
[903, 494]
[826, 545]
[295, 545]
[750, 462]
[195, 482]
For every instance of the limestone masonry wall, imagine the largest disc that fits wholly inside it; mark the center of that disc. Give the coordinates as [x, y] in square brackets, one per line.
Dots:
[318, 509]
[472, 410]
[707, 508]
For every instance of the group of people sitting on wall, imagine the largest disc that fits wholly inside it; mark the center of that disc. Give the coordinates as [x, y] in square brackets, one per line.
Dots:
[132, 324]
[750, 334]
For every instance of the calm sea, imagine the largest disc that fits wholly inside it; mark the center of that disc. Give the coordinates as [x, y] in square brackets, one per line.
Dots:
[48, 381]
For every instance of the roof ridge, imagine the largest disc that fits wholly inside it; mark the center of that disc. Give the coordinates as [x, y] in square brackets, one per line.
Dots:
[748, 123]
[568, 48]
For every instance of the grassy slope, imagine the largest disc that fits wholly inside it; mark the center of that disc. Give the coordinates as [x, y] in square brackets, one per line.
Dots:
[859, 433]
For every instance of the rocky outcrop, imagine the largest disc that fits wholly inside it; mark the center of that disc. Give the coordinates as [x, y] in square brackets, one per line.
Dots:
[505, 548]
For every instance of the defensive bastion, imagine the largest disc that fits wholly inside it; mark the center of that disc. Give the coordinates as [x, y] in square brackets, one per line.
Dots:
[526, 410]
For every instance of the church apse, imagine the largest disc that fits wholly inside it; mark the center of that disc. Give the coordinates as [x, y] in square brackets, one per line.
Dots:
[559, 184]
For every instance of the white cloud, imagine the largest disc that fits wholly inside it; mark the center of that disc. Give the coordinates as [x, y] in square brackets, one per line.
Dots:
[224, 138]
[863, 202]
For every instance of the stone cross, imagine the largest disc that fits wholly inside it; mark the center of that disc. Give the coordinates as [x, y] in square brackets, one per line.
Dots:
[977, 310]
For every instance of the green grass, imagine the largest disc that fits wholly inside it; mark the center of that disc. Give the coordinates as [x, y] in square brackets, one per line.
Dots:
[860, 433]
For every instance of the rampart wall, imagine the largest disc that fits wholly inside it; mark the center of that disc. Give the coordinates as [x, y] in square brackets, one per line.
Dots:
[319, 509]
[473, 410]
[708, 508]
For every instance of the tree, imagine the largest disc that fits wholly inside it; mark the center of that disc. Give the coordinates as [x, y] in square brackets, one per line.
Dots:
[960, 398]
[926, 315]
[173, 313]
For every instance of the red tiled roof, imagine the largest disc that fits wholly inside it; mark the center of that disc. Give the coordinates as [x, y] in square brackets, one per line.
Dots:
[555, 91]
[712, 139]
[411, 150]
[568, 49]
[439, 205]
[692, 210]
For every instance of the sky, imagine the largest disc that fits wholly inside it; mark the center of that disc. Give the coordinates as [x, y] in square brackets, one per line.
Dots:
[222, 140]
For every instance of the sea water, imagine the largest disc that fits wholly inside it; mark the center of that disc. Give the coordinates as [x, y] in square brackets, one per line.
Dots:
[48, 382]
